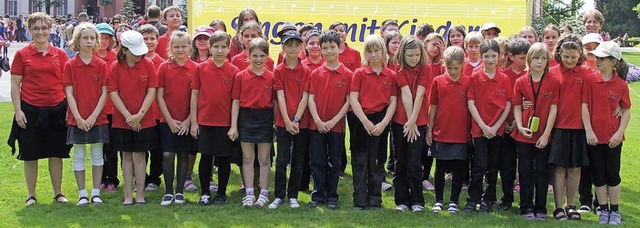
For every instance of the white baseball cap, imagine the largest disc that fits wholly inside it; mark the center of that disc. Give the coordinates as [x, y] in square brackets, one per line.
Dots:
[490, 25]
[592, 38]
[606, 49]
[133, 41]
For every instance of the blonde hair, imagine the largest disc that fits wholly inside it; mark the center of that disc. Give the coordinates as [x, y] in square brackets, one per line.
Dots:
[409, 42]
[175, 36]
[529, 29]
[431, 37]
[375, 42]
[74, 44]
[473, 37]
[595, 13]
[536, 50]
[252, 25]
[39, 16]
[166, 11]
[453, 53]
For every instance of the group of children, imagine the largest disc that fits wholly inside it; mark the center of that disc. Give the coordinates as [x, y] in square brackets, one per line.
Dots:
[477, 103]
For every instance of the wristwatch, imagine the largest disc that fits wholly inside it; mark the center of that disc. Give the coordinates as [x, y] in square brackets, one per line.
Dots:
[296, 119]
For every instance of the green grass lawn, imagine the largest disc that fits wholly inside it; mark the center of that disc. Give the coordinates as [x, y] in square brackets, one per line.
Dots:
[47, 213]
[632, 57]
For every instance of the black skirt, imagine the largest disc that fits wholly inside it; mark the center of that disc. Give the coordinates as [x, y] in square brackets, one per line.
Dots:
[214, 141]
[255, 125]
[97, 134]
[45, 135]
[175, 143]
[449, 151]
[569, 148]
[125, 140]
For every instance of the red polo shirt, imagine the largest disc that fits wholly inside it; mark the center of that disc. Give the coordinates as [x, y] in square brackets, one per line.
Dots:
[301, 56]
[109, 59]
[452, 123]
[437, 69]
[313, 66]
[176, 81]
[214, 97]
[468, 68]
[492, 95]
[132, 83]
[41, 84]
[571, 95]
[413, 77]
[512, 78]
[374, 89]
[350, 58]
[87, 81]
[330, 89]
[547, 96]
[254, 91]
[293, 82]
[603, 97]
[163, 46]
[242, 63]
[157, 60]
[233, 48]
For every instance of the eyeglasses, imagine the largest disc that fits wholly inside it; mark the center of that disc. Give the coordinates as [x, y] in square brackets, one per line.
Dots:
[44, 28]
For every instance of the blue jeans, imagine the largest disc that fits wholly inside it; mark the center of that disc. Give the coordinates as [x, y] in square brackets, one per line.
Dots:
[291, 148]
[325, 165]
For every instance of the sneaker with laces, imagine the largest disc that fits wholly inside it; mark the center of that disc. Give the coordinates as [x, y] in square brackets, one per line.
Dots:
[529, 216]
[220, 200]
[542, 216]
[615, 218]
[437, 207]
[262, 200]
[584, 209]
[597, 210]
[213, 187]
[151, 187]
[166, 200]
[293, 203]
[179, 198]
[603, 218]
[427, 185]
[386, 186]
[189, 186]
[453, 208]
[275, 204]
[248, 200]
[417, 208]
[402, 208]
[205, 200]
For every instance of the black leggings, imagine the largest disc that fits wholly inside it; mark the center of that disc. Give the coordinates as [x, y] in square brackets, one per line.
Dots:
[206, 169]
[169, 171]
[458, 168]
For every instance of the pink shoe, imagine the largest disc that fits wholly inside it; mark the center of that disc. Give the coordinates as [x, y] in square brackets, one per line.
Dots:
[112, 188]
[103, 186]
[516, 188]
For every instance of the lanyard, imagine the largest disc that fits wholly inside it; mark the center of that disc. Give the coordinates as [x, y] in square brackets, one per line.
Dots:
[535, 93]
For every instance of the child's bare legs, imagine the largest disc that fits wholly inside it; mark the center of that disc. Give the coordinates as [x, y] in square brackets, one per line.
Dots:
[601, 193]
[614, 195]
[127, 173]
[31, 176]
[55, 172]
[573, 180]
[140, 170]
[559, 186]
[264, 157]
[248, 156]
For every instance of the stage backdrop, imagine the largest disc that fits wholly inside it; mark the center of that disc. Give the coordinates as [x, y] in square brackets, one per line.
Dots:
[364, 17]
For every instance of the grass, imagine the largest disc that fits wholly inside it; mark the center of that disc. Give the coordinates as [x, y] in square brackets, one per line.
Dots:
[48, 213]
[632, 57]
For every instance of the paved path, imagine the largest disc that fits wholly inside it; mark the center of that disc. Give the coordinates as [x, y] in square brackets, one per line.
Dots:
[5, 80]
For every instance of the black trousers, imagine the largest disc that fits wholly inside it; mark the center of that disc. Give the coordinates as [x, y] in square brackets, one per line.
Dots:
[155, 166]
[408, 170]
[485, 162]
[457, 167]
[367, 168]
[507, 168]
[291, 150]
[110, 169]
[325, 165]
[534, 177]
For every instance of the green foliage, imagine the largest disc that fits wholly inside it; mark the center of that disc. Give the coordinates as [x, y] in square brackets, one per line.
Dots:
[557, 11]
[620, 17]
[128, 9]
[637, 9]
[185, 8]
[105, 2]
[540, 22]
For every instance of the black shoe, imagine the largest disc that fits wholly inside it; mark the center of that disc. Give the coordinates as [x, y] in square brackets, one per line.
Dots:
[220, 200]
[504, 206]
[470, 207]
[312, 204]
[333, 205]
[485, 208]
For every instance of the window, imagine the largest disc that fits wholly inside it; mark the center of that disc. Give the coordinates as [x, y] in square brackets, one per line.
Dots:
[36, 6]
[12, 8]
[164, 3]
[62, 7]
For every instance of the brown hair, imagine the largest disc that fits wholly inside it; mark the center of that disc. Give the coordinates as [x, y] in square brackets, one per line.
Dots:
[597, 14]
[39, 16]
[570, 42]
[409, 42]
[458, 28]
[536, 50]
[218, 22]
[148, 29]
[219, 36]
[431, 37]
[166, 11]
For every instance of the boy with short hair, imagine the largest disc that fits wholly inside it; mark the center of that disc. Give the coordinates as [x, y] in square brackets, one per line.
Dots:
[472, 48]
[328, 104]
[389, 25]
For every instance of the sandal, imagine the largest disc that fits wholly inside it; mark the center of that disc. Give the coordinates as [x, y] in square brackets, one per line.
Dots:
[60, 198]
[83, 201]
[31, 200]
[96, 200]
[573, 213]
[559, 214]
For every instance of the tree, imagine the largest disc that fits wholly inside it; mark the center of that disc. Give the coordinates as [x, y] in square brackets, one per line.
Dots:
[620, 17]
[128, 9]
[47, 4]
[637, 9]
[557, 11]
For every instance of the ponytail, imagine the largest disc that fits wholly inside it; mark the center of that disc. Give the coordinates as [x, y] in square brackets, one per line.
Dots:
[622, 69]
[121, 56]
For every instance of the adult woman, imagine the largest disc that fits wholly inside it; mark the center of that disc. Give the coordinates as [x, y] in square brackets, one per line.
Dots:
[593, 22]
[40, 107]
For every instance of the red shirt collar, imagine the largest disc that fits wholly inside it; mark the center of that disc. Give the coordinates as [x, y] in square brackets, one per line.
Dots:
[340, 68]
[189, 64]
[385, 71]
[79, 63]
[254, 75]
[33, 51]
[461, 80]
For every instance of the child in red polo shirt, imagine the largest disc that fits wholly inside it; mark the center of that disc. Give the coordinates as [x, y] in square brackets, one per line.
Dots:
[472, 47]
[451, 124]
[532, 139]
[174, 93]
[248, 32]
[607, 90]
[211, 116]
[328, 104]
[489, 104]
[172, 16]
[312, 44]
[85, 81]
[568, 144]
[410, 123]
[252, 119]
[132, 87]
[290, 82]
[373, 98]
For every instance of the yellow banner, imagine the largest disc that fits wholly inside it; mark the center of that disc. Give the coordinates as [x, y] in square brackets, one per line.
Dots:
[364, 17]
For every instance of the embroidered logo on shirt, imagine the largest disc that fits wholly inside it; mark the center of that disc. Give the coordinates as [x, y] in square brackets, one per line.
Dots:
[340, 84]
[227, 80]
[462, 94]
[268, 89]
[299, 81]
[613, 95]
[547, 94]
[189, 76]
[387, 85]
[144, 77]
[501, 93]
[95, 77]
[579, 80]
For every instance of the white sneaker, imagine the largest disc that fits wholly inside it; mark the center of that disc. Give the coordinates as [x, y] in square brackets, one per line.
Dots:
[427, 185]
[437, 207]
[275, 204]
[248, 200]
[417, 208]
[166, 200]
[262, 200]
[402, 208]
[386, 186]
[293, 203]
[453, 208]
[179, 198]
[151, 187]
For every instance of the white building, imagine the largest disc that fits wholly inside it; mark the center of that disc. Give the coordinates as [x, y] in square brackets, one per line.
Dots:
[13, 8]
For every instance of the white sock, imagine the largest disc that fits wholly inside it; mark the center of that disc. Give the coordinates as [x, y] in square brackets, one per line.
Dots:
[249, 191]
[95, 192]
[264, 192]
[82, 193]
